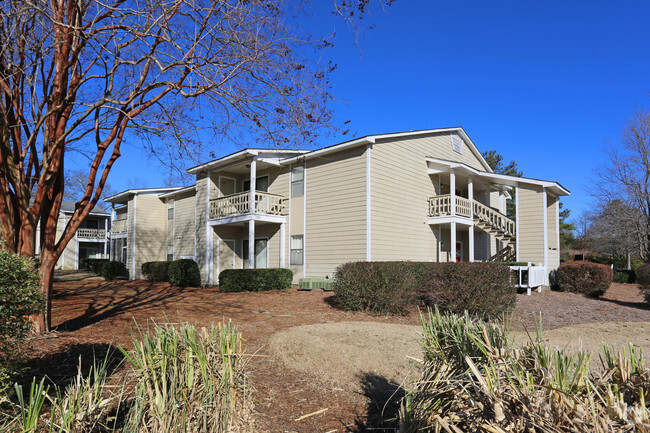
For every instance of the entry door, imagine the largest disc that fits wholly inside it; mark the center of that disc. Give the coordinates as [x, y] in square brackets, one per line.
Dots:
[226, 186]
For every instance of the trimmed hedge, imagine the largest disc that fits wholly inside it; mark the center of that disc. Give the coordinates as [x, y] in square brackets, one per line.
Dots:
[379, 287]
[113, 270]
[482, 289]
[184, 273]
[93, 265]
[624, 276]
[590, 279]
[156, 271]
[643, 278]
[254, 280]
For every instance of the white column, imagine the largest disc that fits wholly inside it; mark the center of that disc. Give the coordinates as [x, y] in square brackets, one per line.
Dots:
[517, 221]
[453, 242]
[282, 245]
[452, 194]
[470, 196]
[251, 244]
[253, 187]
[545, 213]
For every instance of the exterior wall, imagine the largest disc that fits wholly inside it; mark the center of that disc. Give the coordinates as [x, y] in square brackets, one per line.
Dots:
[335, 230]
[150, 236]
[183, 225]
[530, 212]
[552, 209]
[400, 188]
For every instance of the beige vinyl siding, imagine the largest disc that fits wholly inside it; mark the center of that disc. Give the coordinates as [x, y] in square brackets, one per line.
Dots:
[151, 229]
[184, 208]
[552, 207]
[530, 211]
[335, 229]
[130, 244]
[438, 146]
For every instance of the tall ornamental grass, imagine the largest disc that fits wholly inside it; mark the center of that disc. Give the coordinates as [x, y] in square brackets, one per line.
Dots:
[474, 379]
[189, 380]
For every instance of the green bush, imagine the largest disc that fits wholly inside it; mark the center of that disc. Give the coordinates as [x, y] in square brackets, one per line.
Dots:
[156, 271]
[483, 289]
[112, 270]
[643, 278]
[624, 276]
[93, 265]
[20, 296]
[184, 273]
[618, 262]
[254, 280]
[379, 287]
[590, 279]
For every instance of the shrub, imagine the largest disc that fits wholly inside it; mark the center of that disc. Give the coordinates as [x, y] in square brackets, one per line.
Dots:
[93, 265]
[254, 280]
[20, 296]
[113, 270]
[624, 276]
[184, 273]
[156, 271]
[643, 278]
[483, 289]
[590, 279]
[379, 287]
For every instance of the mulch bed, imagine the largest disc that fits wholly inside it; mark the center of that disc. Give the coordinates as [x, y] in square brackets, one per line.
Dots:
[91, 316]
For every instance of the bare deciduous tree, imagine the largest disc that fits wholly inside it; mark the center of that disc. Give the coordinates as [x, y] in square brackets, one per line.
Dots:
[623, 189]
[90, 74]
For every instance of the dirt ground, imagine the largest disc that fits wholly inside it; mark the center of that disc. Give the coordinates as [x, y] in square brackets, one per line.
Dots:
[316, 356]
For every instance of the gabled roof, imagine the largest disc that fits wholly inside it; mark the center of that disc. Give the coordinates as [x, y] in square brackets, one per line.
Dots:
[280, 154]
[125, 194]
[178, 191]
[69, 207]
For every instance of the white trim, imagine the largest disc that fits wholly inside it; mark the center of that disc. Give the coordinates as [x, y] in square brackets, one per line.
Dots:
[282, 245]
[135, 202]
[517, 233]
[279, 219]
[63, 253]
[545, 213]
[368, 206]
[452, 247]
[304, 222]
[452, 191]
[124, 194]
[557, 226]
[448, 219]
[208, 232]
[181, 190]
[76, 252]
[251, 244]
[470, 196]
[244, 154]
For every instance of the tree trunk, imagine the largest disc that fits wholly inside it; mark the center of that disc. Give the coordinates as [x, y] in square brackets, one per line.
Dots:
[43, 322]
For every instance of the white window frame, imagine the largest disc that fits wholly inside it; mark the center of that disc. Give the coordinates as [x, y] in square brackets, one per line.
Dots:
[301, 250]
[298, 183]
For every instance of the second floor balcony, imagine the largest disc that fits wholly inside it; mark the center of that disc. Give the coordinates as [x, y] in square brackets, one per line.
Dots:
[239, 204]
[119, 226]
[91, 233]
[483, 215]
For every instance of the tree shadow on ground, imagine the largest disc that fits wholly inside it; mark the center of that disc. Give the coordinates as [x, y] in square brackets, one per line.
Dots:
[637, 305]
[60, 368]
[108, 299]
[384, 398]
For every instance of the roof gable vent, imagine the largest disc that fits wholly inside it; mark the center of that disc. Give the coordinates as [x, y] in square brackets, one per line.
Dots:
[456, 143]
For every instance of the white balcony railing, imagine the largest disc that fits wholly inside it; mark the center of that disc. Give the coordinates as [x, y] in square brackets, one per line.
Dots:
[440, 205]
[91, 233]
[237, 204]
[119, 226]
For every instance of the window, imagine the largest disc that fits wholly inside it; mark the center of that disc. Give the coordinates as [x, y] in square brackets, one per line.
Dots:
[261, 184]
[296, 250]
[170, 253]
[297, 181]
[170, 209]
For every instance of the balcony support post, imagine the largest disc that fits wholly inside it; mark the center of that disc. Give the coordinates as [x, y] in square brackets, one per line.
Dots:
[452, 195]
[251, 244]
[251, 204]
[453, 241]
[282, 245]
[470, 196]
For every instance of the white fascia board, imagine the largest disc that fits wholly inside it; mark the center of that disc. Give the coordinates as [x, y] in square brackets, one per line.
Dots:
[242, 155]
[124, 195]
[504, 179]
[178, 191]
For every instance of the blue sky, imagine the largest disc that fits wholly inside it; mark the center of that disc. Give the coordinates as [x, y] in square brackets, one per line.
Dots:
[546, 84]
